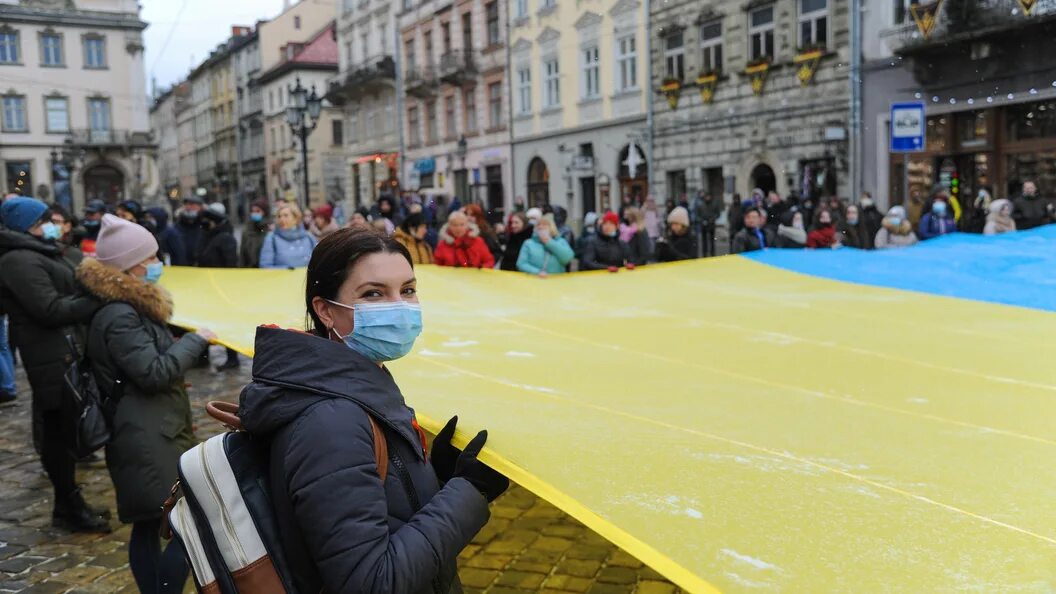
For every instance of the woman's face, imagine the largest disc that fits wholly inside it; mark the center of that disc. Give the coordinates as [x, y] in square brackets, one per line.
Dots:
[376, 278]
[320, 222]
[286, 219]
[420, 231]
[357, 220]
[384, 207]
[457, 227]
[608, 227]
[797, 220]
[1006, 210]
[825, 218]
[126, 214]
[140, 270]
[852, 212]
[516, 225]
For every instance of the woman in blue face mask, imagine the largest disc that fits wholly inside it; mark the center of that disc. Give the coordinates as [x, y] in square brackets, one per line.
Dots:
[323, 401]
[141, 365]
[940, 220]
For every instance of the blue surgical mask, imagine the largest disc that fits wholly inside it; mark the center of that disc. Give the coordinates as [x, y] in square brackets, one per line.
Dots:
[383, 331]
[939, 208]
[896, 221]
[154, 272]
[256, 217]
[50, 231]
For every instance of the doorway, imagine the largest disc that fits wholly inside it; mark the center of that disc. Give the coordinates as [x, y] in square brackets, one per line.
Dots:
[763, 177]
[538, 183]
[104, 182]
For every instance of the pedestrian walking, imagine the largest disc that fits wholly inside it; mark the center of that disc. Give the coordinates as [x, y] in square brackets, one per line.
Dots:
[753, 236]
[519, 231]
[792, 232]
[546, 253]
[411, 235]
[897, 230]
[460, 244]
[605, 251]
[322, 400]
[130, 342]
[45, 306]
[253, 234]
[289, 245]
[999, 220]
[680, 243]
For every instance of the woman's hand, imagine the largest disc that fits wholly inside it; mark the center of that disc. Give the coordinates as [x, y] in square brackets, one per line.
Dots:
[444, 455]
[207, 334]
[488, 481]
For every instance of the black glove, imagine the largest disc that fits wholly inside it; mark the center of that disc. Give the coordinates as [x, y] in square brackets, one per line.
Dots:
[490, 483]
[445, 455]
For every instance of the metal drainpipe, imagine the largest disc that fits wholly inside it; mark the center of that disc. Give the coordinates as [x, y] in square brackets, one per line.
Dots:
[401, 174]
[855, 148]
[508, 208]
[649, 96]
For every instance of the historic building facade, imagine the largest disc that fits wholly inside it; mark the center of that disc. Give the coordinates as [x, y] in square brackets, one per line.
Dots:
[751, 95]
[75, 122]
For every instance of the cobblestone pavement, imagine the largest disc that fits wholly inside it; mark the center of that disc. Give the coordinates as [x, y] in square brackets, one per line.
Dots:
[528, 546]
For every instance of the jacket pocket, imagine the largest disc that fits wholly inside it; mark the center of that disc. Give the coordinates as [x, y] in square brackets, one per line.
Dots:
[172, 425]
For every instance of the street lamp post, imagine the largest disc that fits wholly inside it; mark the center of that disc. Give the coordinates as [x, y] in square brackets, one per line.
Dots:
[302, 117]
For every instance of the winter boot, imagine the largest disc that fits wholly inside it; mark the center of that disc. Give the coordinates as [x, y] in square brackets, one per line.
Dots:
[73, 514]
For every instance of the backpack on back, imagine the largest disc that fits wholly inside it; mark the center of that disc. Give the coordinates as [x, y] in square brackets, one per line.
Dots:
[224, 520]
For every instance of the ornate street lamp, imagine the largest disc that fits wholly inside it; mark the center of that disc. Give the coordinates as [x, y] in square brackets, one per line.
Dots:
[302, 117]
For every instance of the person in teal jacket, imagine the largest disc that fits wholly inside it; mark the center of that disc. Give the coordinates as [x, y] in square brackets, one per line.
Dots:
[546, 252]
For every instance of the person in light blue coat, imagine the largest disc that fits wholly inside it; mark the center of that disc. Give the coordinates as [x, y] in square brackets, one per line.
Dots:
[289, 245]
[546, 252]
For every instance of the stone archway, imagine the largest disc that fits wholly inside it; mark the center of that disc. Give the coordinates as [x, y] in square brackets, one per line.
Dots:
[763, 177]
[538, 183]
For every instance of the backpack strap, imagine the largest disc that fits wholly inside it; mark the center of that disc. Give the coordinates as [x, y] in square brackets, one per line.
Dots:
[227, 413]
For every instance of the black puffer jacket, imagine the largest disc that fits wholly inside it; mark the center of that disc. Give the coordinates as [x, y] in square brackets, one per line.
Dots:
[44, 304]
[218, 247]
[152, 424]
[346, 531]
[602, 252]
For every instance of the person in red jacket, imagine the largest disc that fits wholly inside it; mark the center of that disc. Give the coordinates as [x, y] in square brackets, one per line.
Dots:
[824, 233]
[461, 245]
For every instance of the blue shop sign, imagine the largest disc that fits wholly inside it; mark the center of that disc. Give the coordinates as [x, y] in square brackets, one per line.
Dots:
[426, 166]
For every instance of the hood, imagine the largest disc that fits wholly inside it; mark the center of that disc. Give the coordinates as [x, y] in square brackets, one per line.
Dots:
[160, 216]
[222, 226]
[474, 231]
[13, 240]
[997, 205]
[293, 371]
[560, 215]
[112, 285]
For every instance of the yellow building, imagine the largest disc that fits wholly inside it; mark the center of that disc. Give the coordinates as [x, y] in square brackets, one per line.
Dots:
[578, 82]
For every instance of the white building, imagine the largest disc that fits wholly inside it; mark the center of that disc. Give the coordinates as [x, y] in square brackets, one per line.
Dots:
[74, 122]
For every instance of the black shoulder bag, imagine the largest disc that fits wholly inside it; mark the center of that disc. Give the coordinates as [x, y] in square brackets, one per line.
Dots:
[94, 407]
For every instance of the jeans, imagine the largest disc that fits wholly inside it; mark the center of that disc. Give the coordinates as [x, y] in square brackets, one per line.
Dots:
[7, 361]
[709, 240]
[156, 571]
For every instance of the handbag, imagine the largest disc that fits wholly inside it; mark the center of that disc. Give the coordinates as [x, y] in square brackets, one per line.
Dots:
[94, 409]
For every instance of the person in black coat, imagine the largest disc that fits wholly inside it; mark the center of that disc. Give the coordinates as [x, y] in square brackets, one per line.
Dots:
[170, 244]
[518, 233]
[605, 251]
[45, 305]
[218, 248]
[189, 226]
[319, 399]
[679, 243]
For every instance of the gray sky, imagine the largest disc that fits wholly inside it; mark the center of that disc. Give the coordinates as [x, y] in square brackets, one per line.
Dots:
[193, 28]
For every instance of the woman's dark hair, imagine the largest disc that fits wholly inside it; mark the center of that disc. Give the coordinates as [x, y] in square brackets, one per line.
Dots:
[412, 222]
[333, 259]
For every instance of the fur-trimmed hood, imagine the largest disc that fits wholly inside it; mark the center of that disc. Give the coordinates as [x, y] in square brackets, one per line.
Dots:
[112, 285]
[473, 231]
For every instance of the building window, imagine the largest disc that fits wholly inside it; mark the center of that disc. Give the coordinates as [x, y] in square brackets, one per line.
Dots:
[389, 121]
[761, 33]
[337, 132]
[495, 105]
[492, 12]
[549, 3]
[626, 63]
[57, 114]
[431, 126]
[296, 22]
[524, 90]
[551, 84]
[9, 53]
[412, 126]
[675, 56]
[450, 126]
[445, 35]
[353, 126]
[408, 54]
[467, 31]
[19, 177]
[14, 114]
[348, 53]
[364, 42]
[813, 23]
[94, 52]
[428, 55]
[383, 38]
[274, 141]
[591, 83]
[522, 8]
[99, 114]
[470, 101]
[51, 50]
[347, 6]
[711, 47]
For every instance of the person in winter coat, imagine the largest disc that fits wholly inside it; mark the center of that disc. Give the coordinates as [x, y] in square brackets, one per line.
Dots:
[939, 221]
[775, 209]
[476, 215]
[387, 208]
[93, 215]
[322, 223]
[792, 232]
[680, 242]
[561, 220]
[130, 210]
[605, 251]
[1000, 218]
[639, 245]
[915, 207]
[253, 234]
[590, 231]
[461, 246]
[218, 247]
[734, 219]
[170, 244]
[189, 226]
[546, 252]
[518, 233]
[853, 231]
[1030, 210]
[709, 210]
[653, 222]
[870, 216]
[45, 305]
[130, 342]
[753, 236]
[320, 399]
[289, 245]
[411, 235]
[823, 234]
[896, 232]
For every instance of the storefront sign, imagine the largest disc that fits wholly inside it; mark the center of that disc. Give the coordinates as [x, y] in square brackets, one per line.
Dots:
[425, 166]
[926, 14]
[582, 163]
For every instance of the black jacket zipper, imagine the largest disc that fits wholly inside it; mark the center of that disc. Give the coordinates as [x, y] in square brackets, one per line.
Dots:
[412, 495]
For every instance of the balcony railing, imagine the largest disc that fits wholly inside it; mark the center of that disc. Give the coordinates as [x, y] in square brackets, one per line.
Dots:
[966, 20]
[111, 138]
[362, 79]
[457, 67]
[421, 82]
